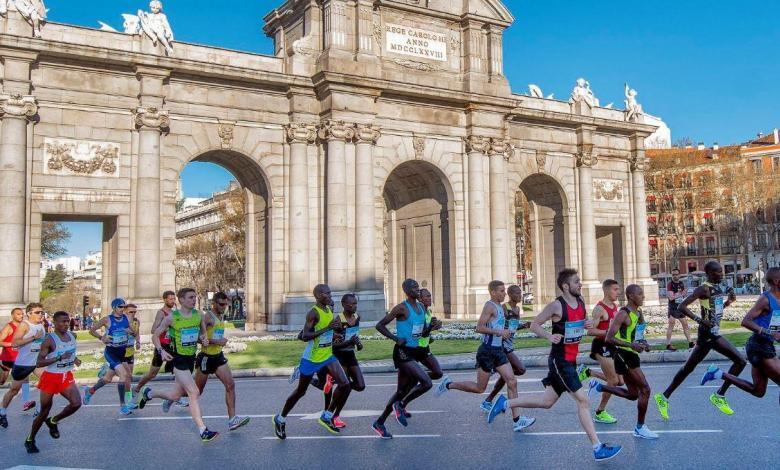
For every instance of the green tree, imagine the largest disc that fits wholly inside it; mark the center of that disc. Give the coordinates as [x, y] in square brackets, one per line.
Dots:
[55, 279]
[54, 235]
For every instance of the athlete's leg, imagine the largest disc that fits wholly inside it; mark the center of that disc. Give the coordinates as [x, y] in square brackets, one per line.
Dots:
[405, 383]
[697, 355]
[434, 368]
[517, 367]
[129, 381]
[686, 330]
[475, 387]
[16, 385]
[46, 402]
[669, 329]
[738, 362]
[507, 374]
[225, 375]
[297, 394]
[612, 378]
[496, 389]
[583, 412]
[598, 375]
[3, 376]
[342, 389]
[357, 383]
[545, 400]
[200, 380]
[187, 383]
[423, 383]
[74, 403]
[153, 371]
[760, 381]
[637, 385]
[121, 373]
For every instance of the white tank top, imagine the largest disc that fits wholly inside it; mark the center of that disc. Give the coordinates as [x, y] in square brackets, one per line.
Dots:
[28, 354]
[61, 347]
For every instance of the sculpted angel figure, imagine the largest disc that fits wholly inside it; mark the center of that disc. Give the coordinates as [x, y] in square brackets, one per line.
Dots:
[582, 92]
[155, 25]
[633, 108]
[33, 12]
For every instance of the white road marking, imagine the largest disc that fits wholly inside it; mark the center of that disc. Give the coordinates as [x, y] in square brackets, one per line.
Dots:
[35, 467]
[306, 438]
[582, 433]
[172, 418]
[522, 393]
[365, 413]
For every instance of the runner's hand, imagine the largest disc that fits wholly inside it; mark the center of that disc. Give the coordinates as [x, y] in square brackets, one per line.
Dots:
[39, 335]
[588, 324]
[638, 347]
[105, 339]
[506, 334]
[77, 362]
[166, 356]
[706, 323]
[354, 340]
[436, 324]
[335, 324]
[359, 345]
[204, 341]
[66, 355]
[400, 342]
[556, 338]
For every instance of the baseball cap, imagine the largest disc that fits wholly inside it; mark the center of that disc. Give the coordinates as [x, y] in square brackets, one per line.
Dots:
[118, 302]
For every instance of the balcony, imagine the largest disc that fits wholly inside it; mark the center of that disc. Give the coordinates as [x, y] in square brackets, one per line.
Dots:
[711, 251]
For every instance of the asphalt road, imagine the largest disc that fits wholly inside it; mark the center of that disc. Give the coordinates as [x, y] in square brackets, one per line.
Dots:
[450, 431]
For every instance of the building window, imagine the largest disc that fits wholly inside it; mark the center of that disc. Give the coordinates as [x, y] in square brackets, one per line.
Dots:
[710, 247]
[709, 222]
[689, 225]
[691, 246]
[668, 182]
[688, 202]
[651, 206]
[755, 165]
[692, 266]
[668, 203]
[776, 163]
[652, 226]
[761, 241]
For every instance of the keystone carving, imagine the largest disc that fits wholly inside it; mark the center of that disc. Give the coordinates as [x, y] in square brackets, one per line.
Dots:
[367, 133]
[586, 156]
[336, 130]
[476, 143]
[300, 133]
[151, 117]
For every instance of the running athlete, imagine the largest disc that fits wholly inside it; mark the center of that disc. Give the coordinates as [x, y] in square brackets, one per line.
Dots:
[600, 350]
[676, 292]
[211, 359]
[169, 303]
[8, 356]
[133, 344]
[713, 300]
[185, 328]
[491, 356]
[764, 321]
[117, 330]
[627, 334]
[27, 340]
[57, 356]
[318, 332]
[413, 381]
[568, 327]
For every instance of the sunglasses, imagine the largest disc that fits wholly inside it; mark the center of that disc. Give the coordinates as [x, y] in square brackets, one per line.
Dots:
[223, 304]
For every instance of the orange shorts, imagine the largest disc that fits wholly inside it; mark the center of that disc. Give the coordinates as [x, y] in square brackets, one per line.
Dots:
[54, 384]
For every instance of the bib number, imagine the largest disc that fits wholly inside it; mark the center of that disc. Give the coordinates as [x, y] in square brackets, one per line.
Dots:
[118, 339]
[514, 324]
[417, 331]
[326, 339]
[639, 334]
[189, 336]
[352, 331]
[218, 334]
[574, 330]
[774, 323]
[35, 346]
[65, 363]
[717, 314]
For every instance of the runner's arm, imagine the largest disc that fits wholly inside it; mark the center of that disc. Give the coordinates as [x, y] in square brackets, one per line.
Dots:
[96, 326]
[381, 326]
[19, 339]
[3, 334]
[614, 326]
[597, 315]
[308, 333]
[698, 294]
[138, 334]
[46, 347]
[758, 308]
[157, 319]
[484, 321]
[161, 328]
[547, 314]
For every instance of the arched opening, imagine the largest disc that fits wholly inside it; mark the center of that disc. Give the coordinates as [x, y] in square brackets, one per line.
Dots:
[417, 243]
[222, 233]
[540, 221]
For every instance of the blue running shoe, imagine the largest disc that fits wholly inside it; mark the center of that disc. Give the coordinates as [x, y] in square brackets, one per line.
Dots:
[486, 406]
[400, 414]
[606, 452]
[441, 389]
[498, 407]
[87, 396]
[595, 387]
[125, 410]
[103, 371]
[166, 405]
[713, 372]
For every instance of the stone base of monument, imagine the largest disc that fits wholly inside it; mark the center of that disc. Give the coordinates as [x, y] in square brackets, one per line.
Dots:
[475, 301]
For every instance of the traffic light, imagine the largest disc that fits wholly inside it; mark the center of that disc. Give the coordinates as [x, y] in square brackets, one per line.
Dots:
[85, 301]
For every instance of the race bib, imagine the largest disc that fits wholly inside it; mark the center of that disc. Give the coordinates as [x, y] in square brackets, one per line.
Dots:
[189, 336]
[514, 324]
[639, 333]
[718, 303]
[679, 300]
[417, 331]
[63, 363]
[352, 331]
[326, 339]
[774, 323]
[119, 339]
[574, 330]
[218, 334]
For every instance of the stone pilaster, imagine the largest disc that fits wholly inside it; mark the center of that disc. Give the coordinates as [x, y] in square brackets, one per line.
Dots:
[586, 159]
[479, 218]
[638, 164]
[299, 136]
[498, 152]
[366, 137]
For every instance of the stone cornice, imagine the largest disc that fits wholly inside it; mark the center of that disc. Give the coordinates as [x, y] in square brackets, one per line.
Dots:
[367, 133]
[300, 133]
[151, 117]
[336, 130]
[18, 106]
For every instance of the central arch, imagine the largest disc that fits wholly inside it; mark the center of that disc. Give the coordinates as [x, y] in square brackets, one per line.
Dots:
[418, 232]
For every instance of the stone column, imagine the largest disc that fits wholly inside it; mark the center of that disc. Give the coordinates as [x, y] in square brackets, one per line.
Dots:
[641, 248]
[336, 133]
[16, 110]
[366, 138]
[586, 159]
[499, 152]
[299, 136]
[479, 218]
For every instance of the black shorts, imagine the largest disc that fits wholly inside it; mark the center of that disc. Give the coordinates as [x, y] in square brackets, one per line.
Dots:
[20, 373]
[759, 349]
[489, 358]
[674, 312]
[599, 347]
[129, 360]
[346, 357]
[7, 365]
[625, 361]
[158, 362]
[705, 339]
[183, 362]
[562, 376]
[402, 354]
[208, 364]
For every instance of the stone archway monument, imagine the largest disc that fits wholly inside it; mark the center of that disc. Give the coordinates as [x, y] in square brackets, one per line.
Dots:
[367, 110]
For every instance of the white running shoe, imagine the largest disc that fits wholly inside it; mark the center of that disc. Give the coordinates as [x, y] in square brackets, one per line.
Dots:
[645, 433]
[442, 387]
[522, 423]
[294, 374]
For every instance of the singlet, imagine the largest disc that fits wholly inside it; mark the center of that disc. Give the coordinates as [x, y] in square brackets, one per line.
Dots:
[571, 327]
[496, 324]
[411, 329]
[425, 341]
[130, 351]
[117, 331]
[28, 354]
[61, 347]
[770, 319]
[165, 340]
[712, 310]
[635, 331]
[611, 312]
[320, 349]
[676, 287]
[349, 331]
[9, 352]
[215, 331]
[511, 323]
[184, 332]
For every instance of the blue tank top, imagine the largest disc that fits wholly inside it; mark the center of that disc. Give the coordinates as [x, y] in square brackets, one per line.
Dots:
[117, 331]
[496, 324]
[770, 319]
[411, 329]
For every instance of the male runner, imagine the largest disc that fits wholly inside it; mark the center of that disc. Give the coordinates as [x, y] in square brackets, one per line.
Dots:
[184, 327]
[133, 344]
[491, 356]
[211, 359]
[8, 356]
[763, 319]
[117, 330]
[318, 333]
[413, 381]
[57, 356]
[676, 292]
[568, 326]
[713, 300]
[27, 340]
[627, 333]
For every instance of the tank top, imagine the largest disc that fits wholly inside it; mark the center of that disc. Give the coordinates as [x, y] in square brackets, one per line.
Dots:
[676, 287]
[634, 331]
[320, 349]
[165, 340]
[770, 319]
[571, 327]
[495, 324]
[425, 341]
[712, 310]
[215, 331]
[9, 352]
[349, 331]
[511, 323]
[117, 331]
[28, 354]
[184, 332]
[61, 347]
[130, 351]
[411, 329]
[611, 312]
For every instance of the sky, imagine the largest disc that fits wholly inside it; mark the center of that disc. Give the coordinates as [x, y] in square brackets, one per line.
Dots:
[709, 69]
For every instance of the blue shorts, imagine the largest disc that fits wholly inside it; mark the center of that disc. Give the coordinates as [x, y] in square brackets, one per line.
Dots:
[309, 368]
[114, 356]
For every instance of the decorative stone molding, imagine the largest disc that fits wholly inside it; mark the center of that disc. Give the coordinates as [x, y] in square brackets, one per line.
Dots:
[367, 133]
[638, 162]
[413, 64]
[377, 33]
[419, 147]
[87, 158]
[32, 11]
[501, 147]
[541, 160]
[336, 130]
[305, 46]
[151, 117]
[300, 133]
[18, 106]
[607, 190]
[586, 156]
[476, 143]
[225, 132]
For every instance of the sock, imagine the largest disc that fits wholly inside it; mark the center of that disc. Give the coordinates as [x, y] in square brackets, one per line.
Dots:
[202, 429]
[718, 394]
[596, 447]
[98, 385]
[281, 419]
[25, 392]
[128, 396]
[639, 425]
[121, 389]
[718, 374]
[2, 411]
[516, 419]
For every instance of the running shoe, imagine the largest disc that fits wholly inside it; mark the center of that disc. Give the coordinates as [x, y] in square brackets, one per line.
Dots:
[663, 405]
[442, 387]
[583, 372]
[87, 396]
[236, 422]
[28, 405]
[339, 423]
[54, 432]
[398, 412]
[294, 375]
[31, 447]
[207, 436]
[125, 411]
[721, 404]
[594, 387]
[522, 423]
[606, 452]
[644, 433]
[486, 406]
[327, 423]
[3, 421]
[103, 371]
[144, 396]
[279, 428]
[183, 402]
[35, 413]
[669, 347]
[328, 384]
[691, 345]
[713, 372]
[381, 430]
[604, 417]
[407, 414]
[166, 406]
[499, 406]
[132, 405]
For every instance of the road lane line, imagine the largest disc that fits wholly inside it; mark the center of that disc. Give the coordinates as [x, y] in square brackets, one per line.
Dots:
[370, 436]
[365, 413]
[718, 386]
[173, 418]
[670, 431]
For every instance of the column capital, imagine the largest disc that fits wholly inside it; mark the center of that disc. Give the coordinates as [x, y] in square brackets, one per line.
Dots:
[18, 106]
[501, 147]
[367, 133]
[477, 144]
[586, 156]
[151, 117]
[300, 133]
[637, 161]
[336, 130]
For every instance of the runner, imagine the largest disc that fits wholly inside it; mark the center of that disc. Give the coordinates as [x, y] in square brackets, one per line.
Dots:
[713, 300]
[627, 333]
[8, 356]
[676, 292]
[431, 324]
[133, 344]
[169, 303]
[117, 330]
[318, 332]
[568, 326]
[57, 356]
[211, 359]
[27, 340]
[184, 327]
[413, 381]
[764, 321]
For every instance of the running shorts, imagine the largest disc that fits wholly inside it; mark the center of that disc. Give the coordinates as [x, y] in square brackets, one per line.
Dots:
[7, 365]
[759, 348]
[183, 362]
[20, 373]
[114, 356]
[54, 384]
[625, 361]
[309, 368]
[562, 376]
[489, 358]
[422, 353]
[208, 364]
[347, 358]
[158, 362]
[129, 359]
[599, 347]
